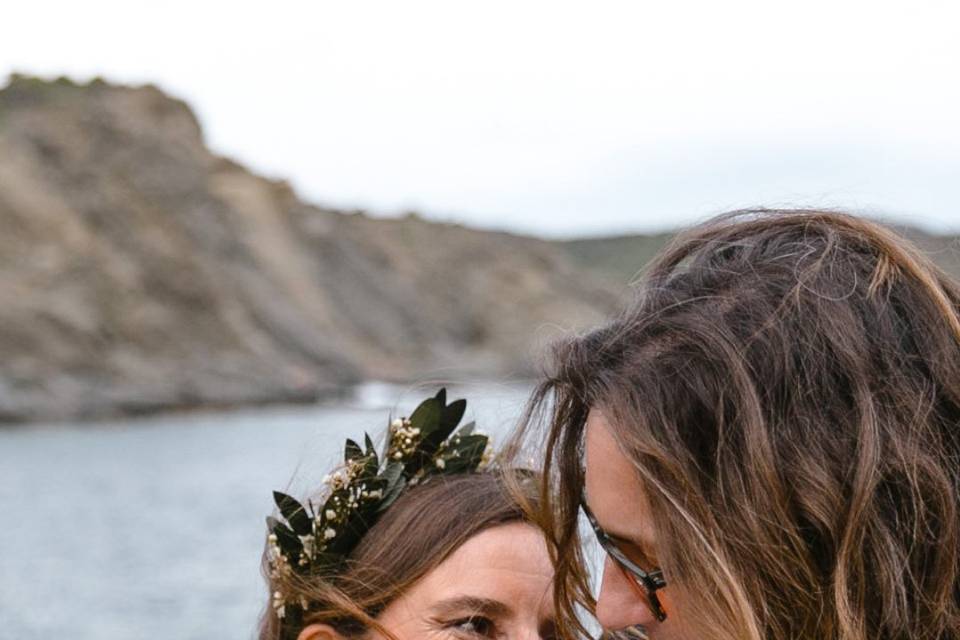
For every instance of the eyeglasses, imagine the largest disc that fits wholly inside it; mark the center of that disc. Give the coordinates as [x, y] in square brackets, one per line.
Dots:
[646, 583]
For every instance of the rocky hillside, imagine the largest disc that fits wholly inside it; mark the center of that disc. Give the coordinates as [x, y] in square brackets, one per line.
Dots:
[140, 272]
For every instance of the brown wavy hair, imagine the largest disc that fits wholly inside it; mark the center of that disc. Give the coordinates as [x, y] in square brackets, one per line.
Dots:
[787, 385]
[420, 530]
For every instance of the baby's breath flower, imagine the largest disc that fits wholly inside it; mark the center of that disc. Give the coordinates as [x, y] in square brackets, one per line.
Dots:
[309, 546]
[329, 533]
[278, 604]
[487, 456]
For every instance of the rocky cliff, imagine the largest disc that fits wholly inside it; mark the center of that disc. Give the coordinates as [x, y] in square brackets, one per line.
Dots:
[140, 272]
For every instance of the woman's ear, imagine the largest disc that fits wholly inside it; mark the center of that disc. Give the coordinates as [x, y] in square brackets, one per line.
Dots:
[320, 632]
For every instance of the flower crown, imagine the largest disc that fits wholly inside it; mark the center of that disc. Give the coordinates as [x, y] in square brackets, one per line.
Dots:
[312, 542]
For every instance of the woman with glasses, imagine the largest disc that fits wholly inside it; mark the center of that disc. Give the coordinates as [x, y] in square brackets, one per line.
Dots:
[767, 442]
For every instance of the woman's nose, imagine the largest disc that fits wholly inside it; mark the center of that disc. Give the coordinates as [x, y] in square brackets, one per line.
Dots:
[619, 604]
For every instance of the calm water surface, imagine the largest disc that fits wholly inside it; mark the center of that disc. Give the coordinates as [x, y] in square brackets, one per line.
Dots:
[153, 528]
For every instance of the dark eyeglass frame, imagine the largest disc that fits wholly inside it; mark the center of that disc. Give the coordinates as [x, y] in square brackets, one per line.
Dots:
[649, 581]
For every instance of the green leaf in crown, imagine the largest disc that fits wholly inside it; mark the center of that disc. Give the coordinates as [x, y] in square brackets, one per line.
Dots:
[316, 542]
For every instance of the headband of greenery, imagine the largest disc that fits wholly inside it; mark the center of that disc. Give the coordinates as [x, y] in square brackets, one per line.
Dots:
[316, 542]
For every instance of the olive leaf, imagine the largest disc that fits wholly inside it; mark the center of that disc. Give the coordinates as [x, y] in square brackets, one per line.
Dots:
[427, 418]
[452, 414]
[465, 455]
[347, 537]
[449, 418]
[352, 451]
[392, 473]
[334, 504]
[287, 540]
[371, 450]
[469, 445]
[394, 487]
[294, 513]
[370, 466]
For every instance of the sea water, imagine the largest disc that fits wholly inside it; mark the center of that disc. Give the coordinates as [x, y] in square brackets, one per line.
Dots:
[153, 528]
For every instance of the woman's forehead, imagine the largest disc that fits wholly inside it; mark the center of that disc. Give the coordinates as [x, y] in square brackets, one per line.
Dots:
[508, 564]
[613, 489]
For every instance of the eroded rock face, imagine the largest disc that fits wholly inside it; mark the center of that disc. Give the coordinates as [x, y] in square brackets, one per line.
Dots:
[140, 272]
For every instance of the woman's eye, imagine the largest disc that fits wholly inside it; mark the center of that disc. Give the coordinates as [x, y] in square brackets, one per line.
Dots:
[476, 626]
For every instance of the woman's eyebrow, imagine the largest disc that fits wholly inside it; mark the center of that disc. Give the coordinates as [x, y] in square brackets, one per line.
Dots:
[643, 547]
[473, 605]
[621, 539]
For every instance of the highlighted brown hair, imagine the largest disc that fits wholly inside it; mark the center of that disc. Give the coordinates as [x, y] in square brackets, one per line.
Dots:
[787, 385]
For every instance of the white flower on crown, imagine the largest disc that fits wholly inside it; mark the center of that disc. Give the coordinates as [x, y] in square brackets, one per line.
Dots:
[309, 545]
[487, 456]
[278, 604]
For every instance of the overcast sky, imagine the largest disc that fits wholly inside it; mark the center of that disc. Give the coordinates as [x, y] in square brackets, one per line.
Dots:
[547, 117]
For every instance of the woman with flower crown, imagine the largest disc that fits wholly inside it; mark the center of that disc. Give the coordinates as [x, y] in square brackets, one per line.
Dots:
[424, 541]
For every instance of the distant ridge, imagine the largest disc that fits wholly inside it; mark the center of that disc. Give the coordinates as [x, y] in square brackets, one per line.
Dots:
[619, 259]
